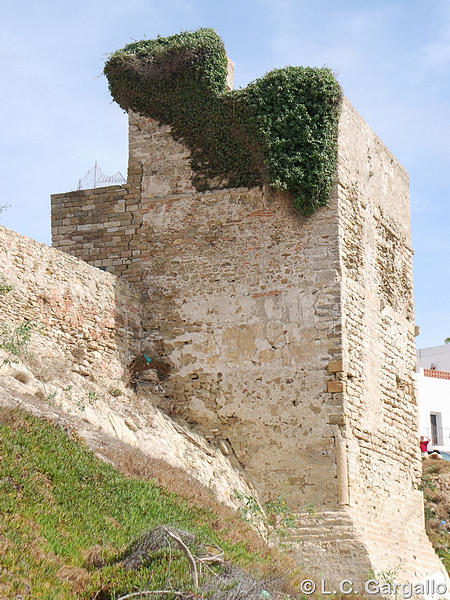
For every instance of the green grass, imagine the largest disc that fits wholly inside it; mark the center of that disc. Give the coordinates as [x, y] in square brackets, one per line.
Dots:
[58, 501]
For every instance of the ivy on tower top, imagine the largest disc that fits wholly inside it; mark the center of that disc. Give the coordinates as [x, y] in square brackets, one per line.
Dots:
[281, 129]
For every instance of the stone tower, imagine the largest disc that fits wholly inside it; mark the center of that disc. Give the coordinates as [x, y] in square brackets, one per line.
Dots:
[288, 340]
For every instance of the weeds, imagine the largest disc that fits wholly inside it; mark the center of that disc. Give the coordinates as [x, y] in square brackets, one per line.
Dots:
[429, 513]
[81, 404]
[437, 507]
[5, 287]
[310, 509]
[93, 397]
[50, 397]
[427, 481]
[272, 520]
[14, 341]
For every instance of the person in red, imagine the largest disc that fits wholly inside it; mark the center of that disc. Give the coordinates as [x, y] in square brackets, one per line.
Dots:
[424, 445]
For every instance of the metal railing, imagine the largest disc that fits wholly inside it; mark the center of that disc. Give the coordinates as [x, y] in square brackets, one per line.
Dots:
[95, 178]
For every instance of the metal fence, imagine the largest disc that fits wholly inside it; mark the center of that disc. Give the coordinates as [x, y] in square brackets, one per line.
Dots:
[95, 178]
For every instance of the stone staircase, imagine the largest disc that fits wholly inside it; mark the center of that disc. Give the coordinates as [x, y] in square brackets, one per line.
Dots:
[321, 526]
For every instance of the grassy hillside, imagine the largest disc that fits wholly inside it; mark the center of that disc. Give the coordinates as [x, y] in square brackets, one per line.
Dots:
[436, 489]
[66, 519]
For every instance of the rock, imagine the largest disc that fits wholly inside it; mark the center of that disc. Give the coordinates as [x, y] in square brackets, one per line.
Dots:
[224, 447]
[149, 375]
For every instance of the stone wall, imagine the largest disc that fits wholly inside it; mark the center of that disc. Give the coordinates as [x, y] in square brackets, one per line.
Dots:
[381, 415]
[291, 341]
[74, 368]
[85, 319]
[101, 226]
[249, 337]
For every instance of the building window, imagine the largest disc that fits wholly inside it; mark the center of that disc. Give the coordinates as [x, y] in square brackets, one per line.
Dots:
[436, 429]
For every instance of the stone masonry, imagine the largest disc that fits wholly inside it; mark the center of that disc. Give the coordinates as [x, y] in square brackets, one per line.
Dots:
[83, 318]
[74, 368]
[290, 340]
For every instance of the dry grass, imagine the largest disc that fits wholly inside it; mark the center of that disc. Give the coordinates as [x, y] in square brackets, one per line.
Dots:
[436, 489]
[48, 369]
[134, 463]
[22, 376]
[76, 576]
[94, 557]
[39, 394]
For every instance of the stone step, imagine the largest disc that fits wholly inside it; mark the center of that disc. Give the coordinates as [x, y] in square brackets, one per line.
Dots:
[324, 527]
[328, 522]
[322, 537]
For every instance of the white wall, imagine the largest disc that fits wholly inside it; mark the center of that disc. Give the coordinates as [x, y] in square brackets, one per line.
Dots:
[439, 356]
[434, 396]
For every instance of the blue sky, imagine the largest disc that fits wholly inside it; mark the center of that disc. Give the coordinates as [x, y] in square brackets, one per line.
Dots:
[391, 57]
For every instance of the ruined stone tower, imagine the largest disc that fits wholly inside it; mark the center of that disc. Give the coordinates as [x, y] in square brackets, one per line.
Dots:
[290, 340]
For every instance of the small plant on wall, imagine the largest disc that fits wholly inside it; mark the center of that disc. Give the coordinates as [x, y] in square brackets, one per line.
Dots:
[14, 340]
[4, 287]
[273, 520]
[280, 129]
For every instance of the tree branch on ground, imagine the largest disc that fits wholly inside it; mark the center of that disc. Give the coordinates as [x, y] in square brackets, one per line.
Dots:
[187, 552]
[151, 592]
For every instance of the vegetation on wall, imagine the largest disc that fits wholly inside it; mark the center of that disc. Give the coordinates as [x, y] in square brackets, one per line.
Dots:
[14, 340]
[280, 129]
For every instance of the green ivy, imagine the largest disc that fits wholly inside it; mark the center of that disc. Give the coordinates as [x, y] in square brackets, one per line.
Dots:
[280, 129]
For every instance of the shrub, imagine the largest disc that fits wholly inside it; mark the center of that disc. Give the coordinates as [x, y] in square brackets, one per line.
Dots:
[280, 129]
[272, 520]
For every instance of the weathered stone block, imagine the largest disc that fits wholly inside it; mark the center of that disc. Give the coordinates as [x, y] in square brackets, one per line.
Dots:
[335, 366]
[335, 386]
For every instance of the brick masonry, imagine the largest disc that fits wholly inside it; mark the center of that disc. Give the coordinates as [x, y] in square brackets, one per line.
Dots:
[289, 339]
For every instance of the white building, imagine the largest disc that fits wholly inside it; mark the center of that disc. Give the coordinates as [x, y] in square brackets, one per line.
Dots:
[433, 365]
